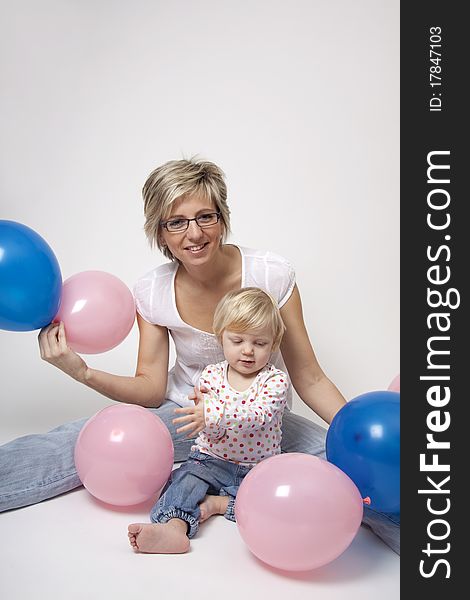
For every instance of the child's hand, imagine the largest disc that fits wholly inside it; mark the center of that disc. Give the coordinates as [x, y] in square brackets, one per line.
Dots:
[197, 395]
[194, 415]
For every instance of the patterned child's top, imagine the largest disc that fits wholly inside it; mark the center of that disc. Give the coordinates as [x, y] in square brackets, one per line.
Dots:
[242, 427]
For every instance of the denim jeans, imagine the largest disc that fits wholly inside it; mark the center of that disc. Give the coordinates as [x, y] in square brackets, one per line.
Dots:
[40, 466]
[201, 474]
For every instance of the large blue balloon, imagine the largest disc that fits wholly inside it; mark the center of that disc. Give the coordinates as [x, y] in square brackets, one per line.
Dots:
[30, 279]
[364, 441]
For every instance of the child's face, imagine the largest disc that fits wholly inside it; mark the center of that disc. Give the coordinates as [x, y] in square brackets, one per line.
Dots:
[247, 352]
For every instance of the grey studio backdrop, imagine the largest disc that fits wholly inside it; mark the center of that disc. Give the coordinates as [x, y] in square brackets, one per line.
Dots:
[297, 101]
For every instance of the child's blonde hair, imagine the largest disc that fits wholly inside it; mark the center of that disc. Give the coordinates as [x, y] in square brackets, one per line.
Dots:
[249, 308]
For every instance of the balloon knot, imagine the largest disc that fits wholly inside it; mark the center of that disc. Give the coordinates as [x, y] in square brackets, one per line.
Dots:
[366, 500]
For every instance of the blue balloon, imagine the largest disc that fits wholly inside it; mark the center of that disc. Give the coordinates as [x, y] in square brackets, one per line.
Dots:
[30, 279]
[364, 441]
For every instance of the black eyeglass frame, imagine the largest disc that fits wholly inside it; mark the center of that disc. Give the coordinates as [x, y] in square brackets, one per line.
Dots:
[188, 221]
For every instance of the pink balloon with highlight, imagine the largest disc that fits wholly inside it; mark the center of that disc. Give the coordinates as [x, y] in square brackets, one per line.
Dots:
[98, 311]
[395, 384]
[124, 455]
[297, 512]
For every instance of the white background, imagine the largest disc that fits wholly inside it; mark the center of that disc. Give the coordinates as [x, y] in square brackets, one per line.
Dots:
[296, 101]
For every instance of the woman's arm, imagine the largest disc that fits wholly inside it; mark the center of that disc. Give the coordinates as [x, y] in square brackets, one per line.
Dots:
[147, 387]
[308, 379]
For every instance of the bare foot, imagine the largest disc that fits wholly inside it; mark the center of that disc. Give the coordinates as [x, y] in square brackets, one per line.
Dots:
[213, 505]
[159, 538]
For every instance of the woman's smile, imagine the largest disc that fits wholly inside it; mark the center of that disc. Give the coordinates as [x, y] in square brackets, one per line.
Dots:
[197, 249]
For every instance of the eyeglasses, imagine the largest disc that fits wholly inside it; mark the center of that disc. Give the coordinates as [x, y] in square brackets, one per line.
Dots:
[179, 225]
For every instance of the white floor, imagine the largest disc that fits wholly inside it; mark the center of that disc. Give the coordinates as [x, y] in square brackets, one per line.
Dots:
[74, 547]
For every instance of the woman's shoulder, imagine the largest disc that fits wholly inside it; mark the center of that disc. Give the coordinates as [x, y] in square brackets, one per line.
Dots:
[150, 304]
[165, 271]
[270, 272]
[263, 257]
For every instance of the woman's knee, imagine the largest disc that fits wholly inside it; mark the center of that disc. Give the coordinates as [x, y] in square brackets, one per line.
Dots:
[302, 435]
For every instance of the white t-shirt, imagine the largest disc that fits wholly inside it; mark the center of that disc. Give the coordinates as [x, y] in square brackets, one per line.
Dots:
[195, 349]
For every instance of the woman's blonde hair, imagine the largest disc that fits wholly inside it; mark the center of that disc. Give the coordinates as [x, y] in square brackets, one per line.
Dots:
[246, 309]
[178, 178]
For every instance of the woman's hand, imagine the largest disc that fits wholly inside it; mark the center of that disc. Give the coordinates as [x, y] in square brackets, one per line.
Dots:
[54, 350]
[194, 420]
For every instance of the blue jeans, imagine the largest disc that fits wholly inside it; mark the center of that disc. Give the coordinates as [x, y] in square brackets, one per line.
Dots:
[201, 474]
[40, 466]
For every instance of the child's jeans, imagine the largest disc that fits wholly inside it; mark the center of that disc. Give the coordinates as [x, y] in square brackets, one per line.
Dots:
[201, 474]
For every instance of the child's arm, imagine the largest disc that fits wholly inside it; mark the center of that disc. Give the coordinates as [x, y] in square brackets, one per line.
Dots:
[258, 411]
[195, 417]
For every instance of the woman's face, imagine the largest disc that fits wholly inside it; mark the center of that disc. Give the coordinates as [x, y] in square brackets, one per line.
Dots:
[196, 245]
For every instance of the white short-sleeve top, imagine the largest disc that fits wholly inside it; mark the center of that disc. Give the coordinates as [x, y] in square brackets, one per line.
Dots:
[195, 349]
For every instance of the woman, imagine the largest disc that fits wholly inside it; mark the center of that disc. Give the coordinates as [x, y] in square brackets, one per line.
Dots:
[187, 217]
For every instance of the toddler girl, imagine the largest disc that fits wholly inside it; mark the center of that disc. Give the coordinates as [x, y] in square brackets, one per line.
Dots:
[238, 414]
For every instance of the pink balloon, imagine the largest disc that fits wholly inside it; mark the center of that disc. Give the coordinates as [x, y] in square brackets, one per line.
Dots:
[124, 455]
[98, 311]
[297, 512]
[395, 384]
